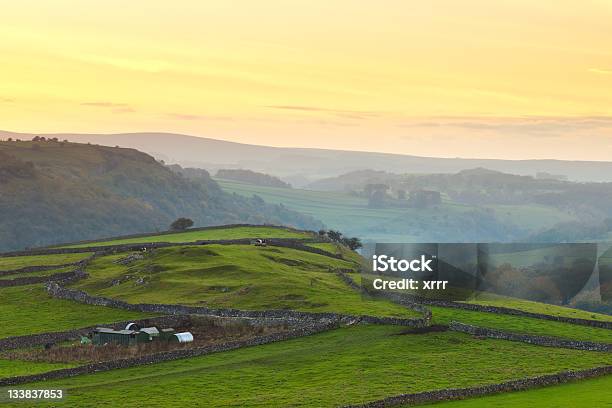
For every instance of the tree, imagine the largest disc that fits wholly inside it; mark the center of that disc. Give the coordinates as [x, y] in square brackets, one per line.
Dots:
[181, 224]
[334, 235]
[353, 243]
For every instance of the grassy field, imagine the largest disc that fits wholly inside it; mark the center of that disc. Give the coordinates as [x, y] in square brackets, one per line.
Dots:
[596, 392]
[341, 250]
[353, 217]
[17, 262]
[29, 310]
[526, 325]
[37, 273]
[236, 276]
[536, 307]
[11, 368]
[349, 365]
[210, 234]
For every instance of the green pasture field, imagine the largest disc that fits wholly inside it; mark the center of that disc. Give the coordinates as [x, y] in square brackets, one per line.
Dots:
[11, 368]
[350, 365]
[17, 262]
[37, 273]
[490, 299]
[30, 310]
[209, 234]
[596, 392]
[235, 276]
[353, 217]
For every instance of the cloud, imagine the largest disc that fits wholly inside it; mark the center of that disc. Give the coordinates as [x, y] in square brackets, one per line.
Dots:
[124, 110]
[601, 71]
[540, 126]
[184, 116]
[106, 105]
[187, 116]
[116, 107]
[350, 114]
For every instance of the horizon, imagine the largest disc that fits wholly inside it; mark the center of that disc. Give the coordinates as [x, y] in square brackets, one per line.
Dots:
[292, 147]
[440, 79]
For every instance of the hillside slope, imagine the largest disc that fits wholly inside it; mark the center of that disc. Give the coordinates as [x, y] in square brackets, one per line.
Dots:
[56, 192]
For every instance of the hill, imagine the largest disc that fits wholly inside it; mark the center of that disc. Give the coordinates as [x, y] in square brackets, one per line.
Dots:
[301, 166]
[587, 209]
[52, 191]
[365, 353]
[450, 221]
[252, 177]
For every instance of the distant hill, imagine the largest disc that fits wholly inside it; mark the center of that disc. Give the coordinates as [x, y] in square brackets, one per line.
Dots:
[252, 177]
[300, 166]
[51, 192]
[588, 206]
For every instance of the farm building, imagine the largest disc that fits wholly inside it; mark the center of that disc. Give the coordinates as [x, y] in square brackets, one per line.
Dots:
[132, 335]
[103, 336]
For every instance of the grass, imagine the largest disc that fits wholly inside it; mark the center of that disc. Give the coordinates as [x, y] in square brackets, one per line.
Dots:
[352, 216]
[596, 392]
[37, 273]
[235, 276]
[12, 368]
[17, 262]
[209, 234]
[525, 325]
[536, 307]
[350, 365]
[341, 250]
[30, 310]
[519, 324]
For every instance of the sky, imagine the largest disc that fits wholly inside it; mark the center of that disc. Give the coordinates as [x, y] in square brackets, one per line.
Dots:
[476, 78]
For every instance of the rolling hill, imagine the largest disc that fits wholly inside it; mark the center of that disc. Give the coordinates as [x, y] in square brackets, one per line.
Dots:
[52, 191]
[299, 166]
[368, 360]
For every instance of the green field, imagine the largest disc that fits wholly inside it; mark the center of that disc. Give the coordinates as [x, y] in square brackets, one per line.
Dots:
[525, 325]
[37, 273]
[29, 310]
[209, 234]
[17, 262]
[596, 392]
[353, 364]
[236, 276]
[352, 216]
[11, 368]
[536, 307]
[349, 365]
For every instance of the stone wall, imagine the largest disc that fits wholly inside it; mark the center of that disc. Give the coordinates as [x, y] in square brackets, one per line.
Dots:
[528, 338]
[306, 330]
[490, 309]
[58, 291]
[37, 268]
[52, 250]
[209, 228]
[29, 280]
[289, 243]
[31, 340]
[462, 393]
[418, 307]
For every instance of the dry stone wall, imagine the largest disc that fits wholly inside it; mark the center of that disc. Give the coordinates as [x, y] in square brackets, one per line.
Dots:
[528, 338]
[462, 393]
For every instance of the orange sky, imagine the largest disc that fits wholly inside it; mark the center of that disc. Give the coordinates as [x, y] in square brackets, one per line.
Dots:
[517, 79]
